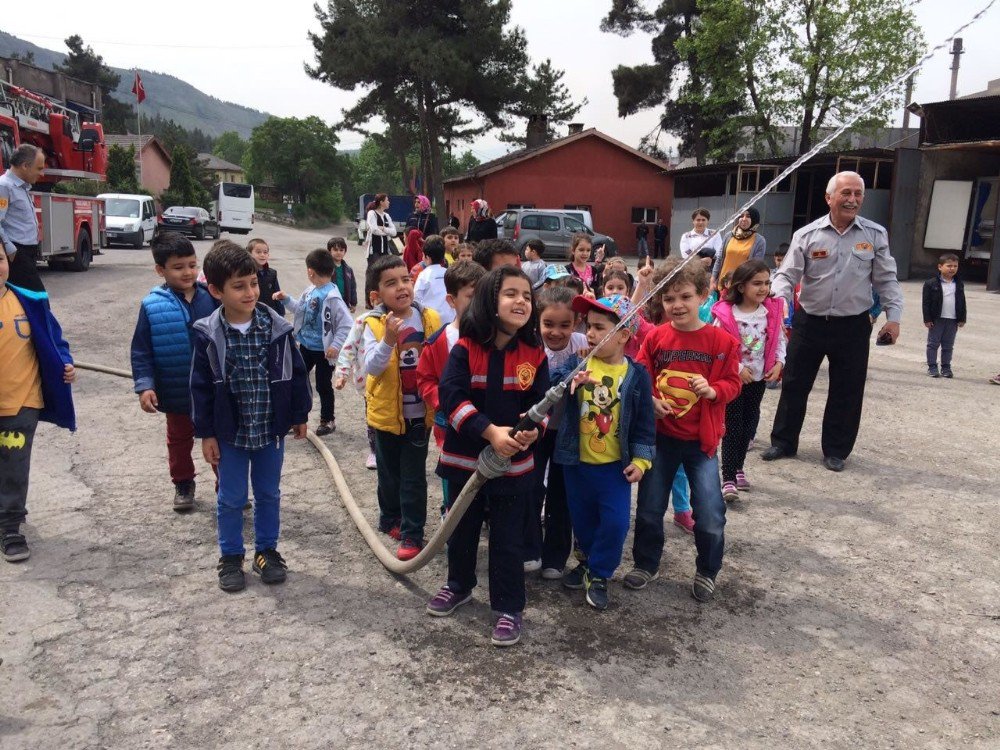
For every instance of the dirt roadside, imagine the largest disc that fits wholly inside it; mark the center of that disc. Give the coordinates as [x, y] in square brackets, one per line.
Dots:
[855, 610]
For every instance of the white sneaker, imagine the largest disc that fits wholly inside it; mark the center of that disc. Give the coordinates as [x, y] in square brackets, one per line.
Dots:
[370, 462]
[551, 574]
[530, 566]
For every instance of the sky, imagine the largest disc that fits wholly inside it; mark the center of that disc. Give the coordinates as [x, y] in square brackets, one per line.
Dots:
[255, 56]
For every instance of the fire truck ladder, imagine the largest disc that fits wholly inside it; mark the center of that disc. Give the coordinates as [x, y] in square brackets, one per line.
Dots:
[32, 110]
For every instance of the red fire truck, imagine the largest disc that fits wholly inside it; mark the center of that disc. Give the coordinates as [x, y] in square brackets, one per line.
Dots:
[69, 227]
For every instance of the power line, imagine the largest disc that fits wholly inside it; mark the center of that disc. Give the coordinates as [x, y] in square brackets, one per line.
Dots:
[172, 46]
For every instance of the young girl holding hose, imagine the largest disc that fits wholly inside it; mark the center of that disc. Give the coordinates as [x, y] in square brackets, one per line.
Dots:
[496, 371]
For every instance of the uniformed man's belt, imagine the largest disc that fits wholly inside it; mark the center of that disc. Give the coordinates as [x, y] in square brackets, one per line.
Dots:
[837, 317]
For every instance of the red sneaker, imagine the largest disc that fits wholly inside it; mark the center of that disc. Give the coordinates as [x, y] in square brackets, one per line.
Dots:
[393, 532]
[408, 549]
[685, 520]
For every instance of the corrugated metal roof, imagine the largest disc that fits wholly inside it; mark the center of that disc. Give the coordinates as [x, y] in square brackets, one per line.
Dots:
[822, 158]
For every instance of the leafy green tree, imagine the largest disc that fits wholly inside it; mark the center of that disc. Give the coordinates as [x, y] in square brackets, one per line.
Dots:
[729, 72]
[121, 170]
[544, 93]
[83, 63]
[376, 168]
[449, 56]
[810, 63]
[231, 147]
[697, 109]
[170, 134]
[185, 189]
[455, 165]
[298, 156]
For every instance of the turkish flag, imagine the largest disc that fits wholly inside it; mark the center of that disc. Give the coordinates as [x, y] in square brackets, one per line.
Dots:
[138, 90]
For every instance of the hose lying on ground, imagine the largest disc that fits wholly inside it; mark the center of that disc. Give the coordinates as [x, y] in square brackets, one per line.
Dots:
[490, 466]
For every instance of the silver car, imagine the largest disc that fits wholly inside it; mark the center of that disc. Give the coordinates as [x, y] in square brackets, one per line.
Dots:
[554, 228]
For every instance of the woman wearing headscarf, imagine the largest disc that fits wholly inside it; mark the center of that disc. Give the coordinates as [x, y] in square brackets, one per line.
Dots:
[381, 230]
[481, 223]
[422, 217]
[742, 244]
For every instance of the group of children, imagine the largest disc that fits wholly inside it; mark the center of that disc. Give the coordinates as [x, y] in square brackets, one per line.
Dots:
[650, 409]
[461, 349]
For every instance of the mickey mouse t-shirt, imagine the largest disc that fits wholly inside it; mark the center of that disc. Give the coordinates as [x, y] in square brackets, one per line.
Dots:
[600, 413]
[409, 344]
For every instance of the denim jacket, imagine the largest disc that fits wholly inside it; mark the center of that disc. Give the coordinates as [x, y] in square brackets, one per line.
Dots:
[638, 425]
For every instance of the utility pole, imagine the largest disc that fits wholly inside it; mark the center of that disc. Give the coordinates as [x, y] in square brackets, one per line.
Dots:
[906, 102]
[956, 53]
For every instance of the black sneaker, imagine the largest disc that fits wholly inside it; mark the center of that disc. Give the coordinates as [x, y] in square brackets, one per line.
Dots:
[231, 577]
[576, 578]
[325, 428]
[597, 591]
[947, 373]
[702, 588]
[15, 547]
[184, 496]
[270, 565]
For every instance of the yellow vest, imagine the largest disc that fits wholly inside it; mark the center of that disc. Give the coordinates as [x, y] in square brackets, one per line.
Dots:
[384, 393]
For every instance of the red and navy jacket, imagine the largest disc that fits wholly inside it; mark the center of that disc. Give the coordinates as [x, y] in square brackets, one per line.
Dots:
[481, 386]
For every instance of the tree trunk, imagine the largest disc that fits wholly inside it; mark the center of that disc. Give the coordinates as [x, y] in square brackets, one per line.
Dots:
[772, 142]
[436, 187]
[698, 140]
[805, 139]
[397, 144]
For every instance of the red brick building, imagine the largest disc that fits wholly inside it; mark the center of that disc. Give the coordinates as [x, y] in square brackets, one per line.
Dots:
[588, 169]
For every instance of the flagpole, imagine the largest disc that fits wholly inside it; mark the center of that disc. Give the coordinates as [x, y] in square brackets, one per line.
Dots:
[138, 122]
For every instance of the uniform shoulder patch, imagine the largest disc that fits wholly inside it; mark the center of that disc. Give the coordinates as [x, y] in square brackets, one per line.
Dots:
[525, 375]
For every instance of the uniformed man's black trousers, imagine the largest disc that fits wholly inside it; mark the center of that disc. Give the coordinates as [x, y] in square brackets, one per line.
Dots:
[23, 271]
[844, 342]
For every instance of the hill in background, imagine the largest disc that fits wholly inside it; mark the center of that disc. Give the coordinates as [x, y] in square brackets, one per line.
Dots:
[166, 96]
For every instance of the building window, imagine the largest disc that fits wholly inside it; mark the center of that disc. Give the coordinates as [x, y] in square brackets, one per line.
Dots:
[520, 205]
[877, 173]
[753, 178]
[647, 215]
[576, 207]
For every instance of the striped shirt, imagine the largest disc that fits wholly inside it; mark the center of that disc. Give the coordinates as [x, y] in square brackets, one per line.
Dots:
[247, 375]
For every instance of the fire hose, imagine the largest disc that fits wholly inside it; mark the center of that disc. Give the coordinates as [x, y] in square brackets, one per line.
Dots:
[490, 465]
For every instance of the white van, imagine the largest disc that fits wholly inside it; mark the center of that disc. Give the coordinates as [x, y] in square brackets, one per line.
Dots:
[128, 219]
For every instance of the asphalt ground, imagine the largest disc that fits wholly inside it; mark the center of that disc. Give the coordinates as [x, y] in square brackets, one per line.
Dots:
[859, 609]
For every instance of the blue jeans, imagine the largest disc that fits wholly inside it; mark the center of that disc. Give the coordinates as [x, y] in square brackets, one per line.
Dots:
[264, 469]
[600, 499]
[706, 499]
[680, 492]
